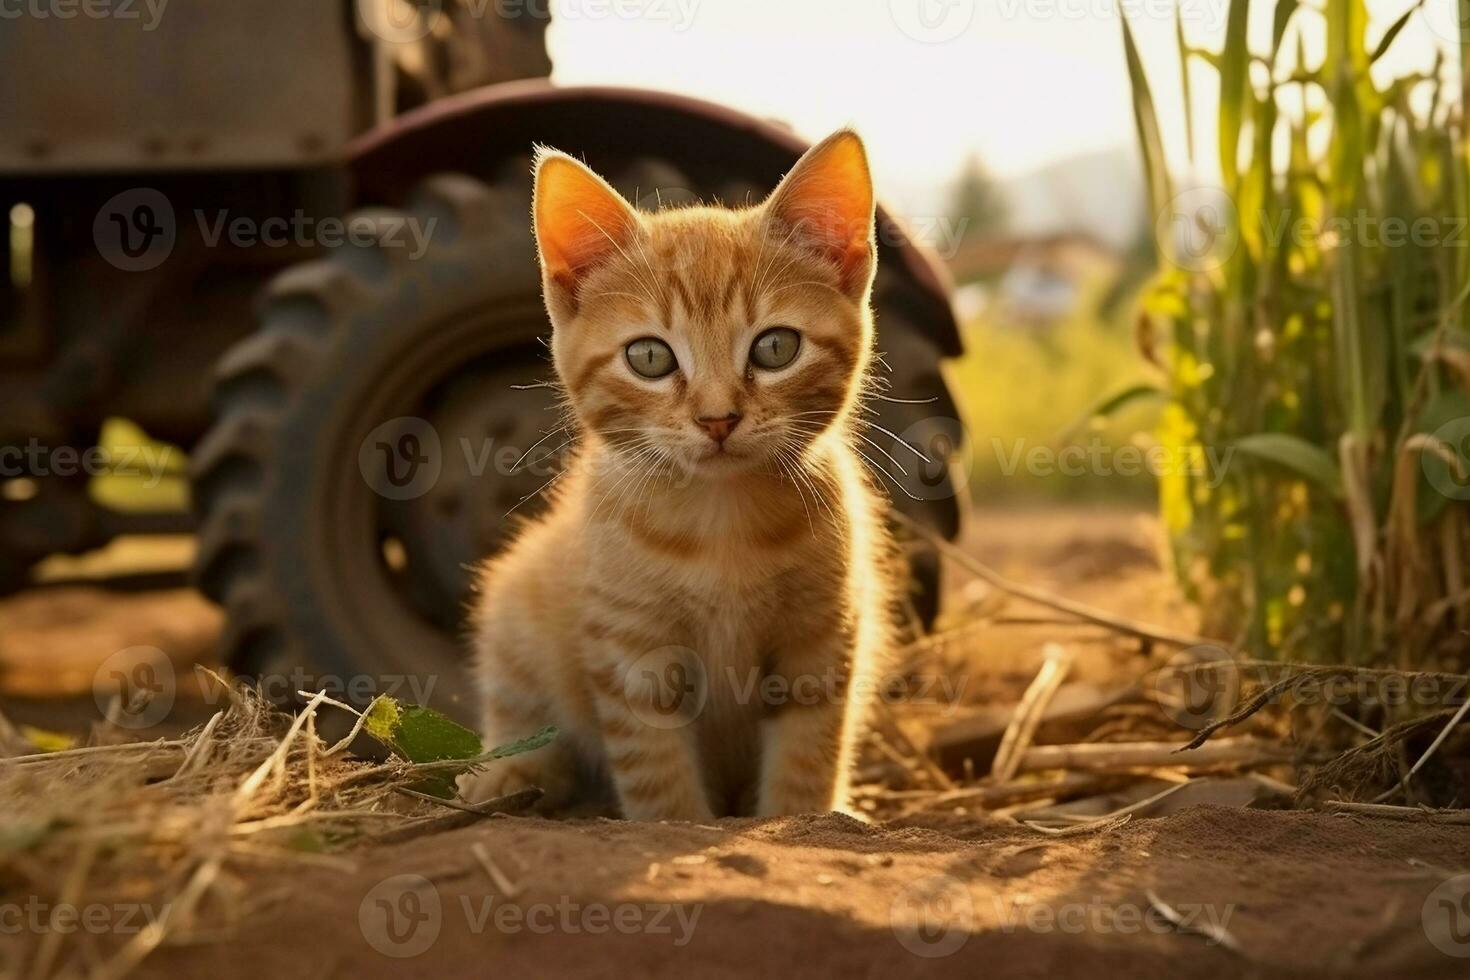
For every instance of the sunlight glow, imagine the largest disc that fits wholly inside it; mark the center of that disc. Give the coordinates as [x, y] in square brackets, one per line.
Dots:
[1026, 84]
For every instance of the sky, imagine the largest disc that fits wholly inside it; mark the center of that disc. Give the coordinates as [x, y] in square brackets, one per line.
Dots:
[1022, 83]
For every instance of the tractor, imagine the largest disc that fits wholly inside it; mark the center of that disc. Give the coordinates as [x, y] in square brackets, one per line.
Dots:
[292, 239]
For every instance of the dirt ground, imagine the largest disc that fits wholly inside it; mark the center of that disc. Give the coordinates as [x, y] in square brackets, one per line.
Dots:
[1298, 894]
[1250, 892]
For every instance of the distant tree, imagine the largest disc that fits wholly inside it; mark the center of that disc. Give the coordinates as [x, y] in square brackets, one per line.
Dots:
[978, 205]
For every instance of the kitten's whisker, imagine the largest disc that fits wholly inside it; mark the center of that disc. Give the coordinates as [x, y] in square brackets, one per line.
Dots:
[801, 494]
[761, 277]
[629, 466]
[804, 474]
[885, 452]
[775, 275]
[610, 499]
[805, 282]
[888, 432]
[561, 428]
[619, 292]
[759, 254]
[652, 472]
[647, 264]
[534, 493]
[796, 420]
[878, 469]
[549, 454]
[621, 251]
[796, 481]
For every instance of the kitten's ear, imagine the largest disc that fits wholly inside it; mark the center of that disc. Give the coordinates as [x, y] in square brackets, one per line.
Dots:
[826, 201]
[580, 222]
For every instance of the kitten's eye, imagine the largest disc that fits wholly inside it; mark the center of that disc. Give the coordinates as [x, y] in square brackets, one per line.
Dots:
[651, 358]
[775, 348]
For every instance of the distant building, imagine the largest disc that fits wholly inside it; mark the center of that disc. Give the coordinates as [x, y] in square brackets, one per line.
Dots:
[1035, 280]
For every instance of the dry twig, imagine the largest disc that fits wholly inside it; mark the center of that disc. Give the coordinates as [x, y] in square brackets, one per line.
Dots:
[1100, 756]
[1119, 624]
[1021, 732]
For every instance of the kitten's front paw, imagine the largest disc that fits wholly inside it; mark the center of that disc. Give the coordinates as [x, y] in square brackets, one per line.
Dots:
[685, 812]
[796, 804]
[488, 783]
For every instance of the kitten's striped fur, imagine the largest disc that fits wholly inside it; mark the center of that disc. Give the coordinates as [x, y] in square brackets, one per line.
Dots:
[669, 565]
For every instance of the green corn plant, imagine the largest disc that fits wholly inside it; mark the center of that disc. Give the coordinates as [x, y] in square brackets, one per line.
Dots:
[1318, 352]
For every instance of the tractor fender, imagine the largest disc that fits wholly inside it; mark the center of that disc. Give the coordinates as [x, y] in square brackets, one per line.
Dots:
[483, 131]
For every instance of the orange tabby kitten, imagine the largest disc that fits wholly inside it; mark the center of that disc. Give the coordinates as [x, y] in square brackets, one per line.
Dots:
[702, 608]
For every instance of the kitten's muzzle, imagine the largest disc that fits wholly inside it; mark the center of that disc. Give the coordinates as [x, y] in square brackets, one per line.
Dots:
[719, 429]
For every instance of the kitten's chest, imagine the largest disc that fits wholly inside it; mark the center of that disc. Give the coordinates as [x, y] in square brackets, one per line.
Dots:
[726, 574]
[733, 633]
[715, 547]
[726, 617]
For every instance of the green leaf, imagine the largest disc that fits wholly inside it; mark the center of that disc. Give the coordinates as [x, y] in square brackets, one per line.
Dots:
[1392, 33]
[419, 735]
[1234, 85]
[382, 719]
[542, 738]
[1145, 118]
[1462, 7]
[1435, 471]
[1295, 453]
[1347, 38]
[424, 735]
[1284, 10]
[1109, 405]
[1185, 87]
[1208, 57]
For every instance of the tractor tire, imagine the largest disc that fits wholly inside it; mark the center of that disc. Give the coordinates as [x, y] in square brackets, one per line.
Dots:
[51, 515]
[15, 574]
[341, 562]
[338, 493]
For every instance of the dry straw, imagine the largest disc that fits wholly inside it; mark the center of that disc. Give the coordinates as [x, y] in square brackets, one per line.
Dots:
[162, 825]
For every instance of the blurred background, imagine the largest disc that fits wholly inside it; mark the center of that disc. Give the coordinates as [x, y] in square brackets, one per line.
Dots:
[1004, 133]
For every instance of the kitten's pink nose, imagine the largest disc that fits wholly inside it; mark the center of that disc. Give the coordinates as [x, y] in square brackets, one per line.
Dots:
[719, 429]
